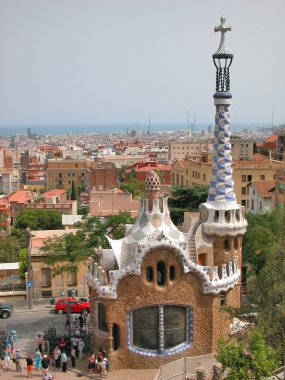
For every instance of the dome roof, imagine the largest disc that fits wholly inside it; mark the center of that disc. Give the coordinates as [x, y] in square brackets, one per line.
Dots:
[149, 225]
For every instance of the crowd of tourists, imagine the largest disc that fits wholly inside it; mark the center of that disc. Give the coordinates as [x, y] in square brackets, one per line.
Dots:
[58, 358]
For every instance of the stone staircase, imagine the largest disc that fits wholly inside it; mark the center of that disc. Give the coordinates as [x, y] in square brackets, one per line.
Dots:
[192, 242]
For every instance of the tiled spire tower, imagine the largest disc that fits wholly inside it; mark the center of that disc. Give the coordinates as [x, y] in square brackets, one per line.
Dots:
[221, 213]
[222, 184]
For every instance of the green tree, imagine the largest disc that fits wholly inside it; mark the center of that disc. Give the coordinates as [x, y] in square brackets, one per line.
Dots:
[261, 236]
[121, 173]
[73, 194]
[269, 296]
[23, 259]
[135, 187]
[252, 362]
[94, 229]
[39, 219]
[63, 254]
[132, 174]
[186, 199]
[189, 197]
[9, 249]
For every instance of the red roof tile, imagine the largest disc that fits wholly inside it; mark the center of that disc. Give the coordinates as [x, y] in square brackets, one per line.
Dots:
[53, 193]
[272, 138]
[264, 188]
[21, 196]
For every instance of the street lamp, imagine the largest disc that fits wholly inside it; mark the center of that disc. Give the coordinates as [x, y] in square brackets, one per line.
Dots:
[68, 311]
[29, 283]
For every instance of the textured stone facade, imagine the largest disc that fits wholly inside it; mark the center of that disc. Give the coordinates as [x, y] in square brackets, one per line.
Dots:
[209, 322]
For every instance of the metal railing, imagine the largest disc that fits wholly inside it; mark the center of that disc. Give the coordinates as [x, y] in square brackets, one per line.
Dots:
[182, 369]
[279, 373]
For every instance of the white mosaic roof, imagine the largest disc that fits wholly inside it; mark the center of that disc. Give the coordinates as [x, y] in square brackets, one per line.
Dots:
[147, 228]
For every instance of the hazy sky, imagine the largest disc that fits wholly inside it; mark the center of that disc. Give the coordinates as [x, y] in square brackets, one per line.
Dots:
[108, 61]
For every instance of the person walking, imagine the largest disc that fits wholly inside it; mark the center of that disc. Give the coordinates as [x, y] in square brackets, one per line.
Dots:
[91, 362]
[38, 357]
[40, 343]
[81, 346]
[99, 360]
[104, 366]
[29, 362]
[62, 344]
[56, 356]
[64, 361]
[17, 360]
[7, 358]
[74, 342]
[81, 321]
[45, 364]
[73, 356]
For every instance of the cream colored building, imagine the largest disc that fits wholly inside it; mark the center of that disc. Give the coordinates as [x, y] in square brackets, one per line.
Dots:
[44, 283]
[179, 149]
[241, 149]
[111, 202]
[120, 160]
[191, 172]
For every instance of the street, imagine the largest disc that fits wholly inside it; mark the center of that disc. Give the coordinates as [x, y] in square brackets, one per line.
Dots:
[29, 324]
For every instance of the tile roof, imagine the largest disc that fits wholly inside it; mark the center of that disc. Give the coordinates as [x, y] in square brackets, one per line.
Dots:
[264, 188]
[272, 138]
[21, 196]
[53, 193]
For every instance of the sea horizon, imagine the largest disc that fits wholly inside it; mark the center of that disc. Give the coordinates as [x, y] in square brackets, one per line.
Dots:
[7, 131]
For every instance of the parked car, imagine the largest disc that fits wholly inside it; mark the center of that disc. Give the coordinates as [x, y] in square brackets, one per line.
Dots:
[75, 306]
[6, 309]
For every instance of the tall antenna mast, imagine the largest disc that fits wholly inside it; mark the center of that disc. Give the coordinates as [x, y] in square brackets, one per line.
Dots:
[188, 124]
[149, 128]
[194, 123]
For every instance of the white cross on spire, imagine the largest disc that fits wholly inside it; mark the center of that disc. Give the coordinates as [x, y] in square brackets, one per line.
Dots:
[223, 29]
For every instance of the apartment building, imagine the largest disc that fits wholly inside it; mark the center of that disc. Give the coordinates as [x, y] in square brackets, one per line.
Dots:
[60, 173]
[120, 160]
[112, 202]
[195, 172]
[179, 149]
[261, 196]
[101, 176]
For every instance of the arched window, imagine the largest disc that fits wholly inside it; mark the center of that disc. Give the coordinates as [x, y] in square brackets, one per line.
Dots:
[101, 317]
[236, 243]
[171, 272]
[149, 274]
[161, 273]
[226, 245]
[116, 337]
[160, 329]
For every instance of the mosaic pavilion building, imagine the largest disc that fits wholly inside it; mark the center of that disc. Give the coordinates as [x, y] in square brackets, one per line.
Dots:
[156, 295]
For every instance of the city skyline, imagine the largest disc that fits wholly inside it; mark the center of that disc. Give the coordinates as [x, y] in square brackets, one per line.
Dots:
[73, 63]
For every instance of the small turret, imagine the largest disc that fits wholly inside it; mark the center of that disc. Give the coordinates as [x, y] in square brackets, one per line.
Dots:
[152, 184]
